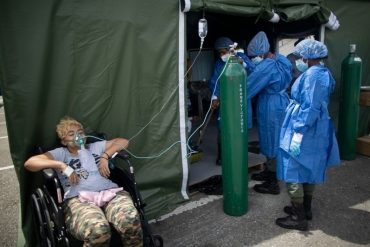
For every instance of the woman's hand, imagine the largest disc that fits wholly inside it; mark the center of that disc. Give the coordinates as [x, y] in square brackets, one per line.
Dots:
[215, 104]
[73, 179]
[70, 173]
[104, 167]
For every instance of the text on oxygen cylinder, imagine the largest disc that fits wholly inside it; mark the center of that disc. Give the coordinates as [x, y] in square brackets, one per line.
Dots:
[241, 109]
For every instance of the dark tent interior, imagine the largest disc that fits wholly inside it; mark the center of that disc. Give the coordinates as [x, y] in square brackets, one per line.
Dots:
[241, 30]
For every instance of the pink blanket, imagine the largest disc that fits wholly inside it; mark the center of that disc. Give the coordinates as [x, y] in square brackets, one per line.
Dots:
[98, 198]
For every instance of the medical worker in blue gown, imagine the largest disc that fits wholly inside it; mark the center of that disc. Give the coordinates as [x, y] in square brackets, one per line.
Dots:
[268, 81]
[222, 46]
[308, 145]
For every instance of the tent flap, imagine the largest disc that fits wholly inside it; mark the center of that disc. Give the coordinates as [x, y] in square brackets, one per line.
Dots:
[235, 7]
[297, 12]
[103, 63]
[353, 30]
[288, 10]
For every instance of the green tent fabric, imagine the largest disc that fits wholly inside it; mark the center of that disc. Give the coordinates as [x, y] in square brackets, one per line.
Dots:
[354, 18]
[114, 65]
[105, 63]
[288, 10]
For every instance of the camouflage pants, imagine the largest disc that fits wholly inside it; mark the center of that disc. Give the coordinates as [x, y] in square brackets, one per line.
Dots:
[297, 191]
[89, 223]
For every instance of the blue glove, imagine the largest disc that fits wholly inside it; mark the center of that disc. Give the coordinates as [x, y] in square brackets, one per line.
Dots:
[295, 144]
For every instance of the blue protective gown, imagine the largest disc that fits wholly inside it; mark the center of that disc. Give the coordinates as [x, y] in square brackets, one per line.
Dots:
[269, 80]
[308, 114]
[219, 65]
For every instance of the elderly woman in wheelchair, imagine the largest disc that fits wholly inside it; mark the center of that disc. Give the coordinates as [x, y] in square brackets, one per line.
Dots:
[91, 201]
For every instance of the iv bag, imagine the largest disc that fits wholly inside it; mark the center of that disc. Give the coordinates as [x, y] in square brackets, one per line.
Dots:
[202, 28]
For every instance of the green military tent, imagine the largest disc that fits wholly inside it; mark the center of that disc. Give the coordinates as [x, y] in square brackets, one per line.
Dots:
[119, 66]
[353, 22]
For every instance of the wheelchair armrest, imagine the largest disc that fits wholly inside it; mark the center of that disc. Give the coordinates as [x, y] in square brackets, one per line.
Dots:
[53, 184]
[124, 155]
[49, 173]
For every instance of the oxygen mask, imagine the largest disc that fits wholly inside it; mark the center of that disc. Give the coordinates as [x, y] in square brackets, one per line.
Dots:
[79, 139]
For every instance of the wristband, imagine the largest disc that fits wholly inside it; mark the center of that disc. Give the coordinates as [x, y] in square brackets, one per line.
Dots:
[68, 171]
[102, 157]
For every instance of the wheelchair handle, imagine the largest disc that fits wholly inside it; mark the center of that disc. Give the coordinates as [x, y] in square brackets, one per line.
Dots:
[49, 173]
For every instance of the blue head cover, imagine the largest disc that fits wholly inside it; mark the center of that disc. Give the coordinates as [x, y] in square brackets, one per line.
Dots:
[223, 43]
[311, 49]
[258, 45]
[297, 50]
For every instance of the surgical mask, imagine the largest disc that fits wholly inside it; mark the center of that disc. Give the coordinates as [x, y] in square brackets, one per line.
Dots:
[257, 60]
[301, 66]
[225, 57]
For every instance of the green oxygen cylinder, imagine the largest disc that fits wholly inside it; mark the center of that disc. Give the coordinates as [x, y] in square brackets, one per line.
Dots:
[349, 104]
[234, 138]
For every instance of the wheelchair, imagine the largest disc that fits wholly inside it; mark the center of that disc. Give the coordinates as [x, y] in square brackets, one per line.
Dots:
[48, 214]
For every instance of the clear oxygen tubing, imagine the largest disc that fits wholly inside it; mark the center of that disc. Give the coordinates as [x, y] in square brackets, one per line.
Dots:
[202, 32]
[208, 111]
[135, 156]
[172, 94]
[232, 51]
[173, 144]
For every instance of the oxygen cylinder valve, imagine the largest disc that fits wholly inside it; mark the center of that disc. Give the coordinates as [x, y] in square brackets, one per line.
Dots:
[233, 48]
[352, 48]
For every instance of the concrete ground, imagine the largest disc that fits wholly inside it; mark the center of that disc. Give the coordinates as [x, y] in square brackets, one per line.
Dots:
[341, 209]
[9, 196]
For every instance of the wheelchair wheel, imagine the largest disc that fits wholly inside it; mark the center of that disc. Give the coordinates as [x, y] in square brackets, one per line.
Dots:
[157, 241]
[152, 240]
[38, 221]
[55, 211]
[56, 216]
[49, 225]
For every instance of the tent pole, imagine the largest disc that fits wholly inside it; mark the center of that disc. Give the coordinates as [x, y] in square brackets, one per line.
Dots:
[184, 159]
